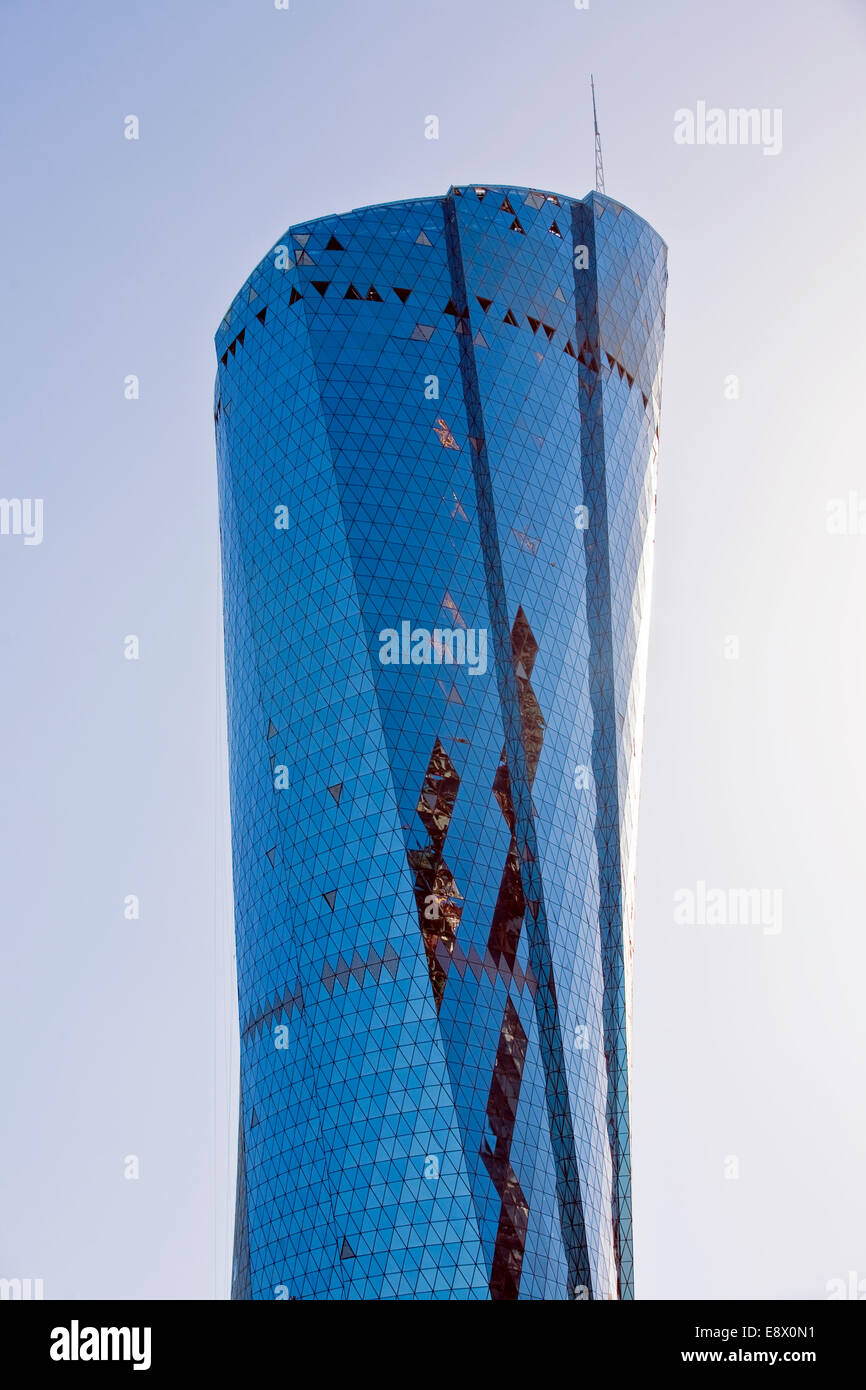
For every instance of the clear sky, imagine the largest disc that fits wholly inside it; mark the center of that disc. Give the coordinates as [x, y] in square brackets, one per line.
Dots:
[119, 257]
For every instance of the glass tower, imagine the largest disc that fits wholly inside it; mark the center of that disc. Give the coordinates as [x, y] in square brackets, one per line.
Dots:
[437, 432]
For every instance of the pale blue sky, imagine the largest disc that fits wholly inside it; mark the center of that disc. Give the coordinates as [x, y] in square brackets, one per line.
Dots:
[120, 257]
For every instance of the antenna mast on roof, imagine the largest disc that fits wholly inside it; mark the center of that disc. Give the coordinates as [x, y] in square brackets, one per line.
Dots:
[599, 166]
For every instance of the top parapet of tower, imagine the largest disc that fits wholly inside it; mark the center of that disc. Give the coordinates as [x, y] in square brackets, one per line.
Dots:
[514, 194]
[482, 190]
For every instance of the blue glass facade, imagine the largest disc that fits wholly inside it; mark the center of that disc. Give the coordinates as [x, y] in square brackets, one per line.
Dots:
[437, 430]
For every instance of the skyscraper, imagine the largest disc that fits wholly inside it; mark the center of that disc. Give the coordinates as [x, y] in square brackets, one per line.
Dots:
[437, 431]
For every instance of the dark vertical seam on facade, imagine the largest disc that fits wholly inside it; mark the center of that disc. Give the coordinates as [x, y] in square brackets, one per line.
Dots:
[568, 1188]
[605, 732]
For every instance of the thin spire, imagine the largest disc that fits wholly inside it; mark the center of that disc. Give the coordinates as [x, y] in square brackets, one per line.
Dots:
[599, 166]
